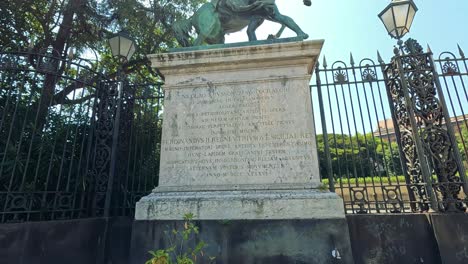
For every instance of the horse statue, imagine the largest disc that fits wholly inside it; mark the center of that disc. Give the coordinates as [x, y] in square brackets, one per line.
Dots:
[219, 17]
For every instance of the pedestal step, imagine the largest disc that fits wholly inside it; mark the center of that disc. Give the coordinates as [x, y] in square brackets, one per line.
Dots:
[241, 205]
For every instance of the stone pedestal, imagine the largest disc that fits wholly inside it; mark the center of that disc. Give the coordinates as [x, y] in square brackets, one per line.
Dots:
[238, 136]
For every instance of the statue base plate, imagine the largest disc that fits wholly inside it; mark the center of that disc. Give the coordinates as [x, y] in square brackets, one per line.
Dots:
[241, 205]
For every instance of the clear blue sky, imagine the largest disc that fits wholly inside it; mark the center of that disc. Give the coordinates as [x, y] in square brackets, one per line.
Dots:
[353, 26]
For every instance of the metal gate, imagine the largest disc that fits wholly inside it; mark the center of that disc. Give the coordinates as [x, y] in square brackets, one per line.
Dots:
[366, 141]
[73, 143]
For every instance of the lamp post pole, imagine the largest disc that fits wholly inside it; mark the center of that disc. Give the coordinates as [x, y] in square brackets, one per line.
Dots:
[425, 136]
[122, 48]
[115, 142]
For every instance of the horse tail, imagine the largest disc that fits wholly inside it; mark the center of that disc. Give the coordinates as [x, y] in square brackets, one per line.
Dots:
[181, 30]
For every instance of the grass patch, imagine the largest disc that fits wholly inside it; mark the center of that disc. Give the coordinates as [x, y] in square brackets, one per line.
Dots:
[368, 180]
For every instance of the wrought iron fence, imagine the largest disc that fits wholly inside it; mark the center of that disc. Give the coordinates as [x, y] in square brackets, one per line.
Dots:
[453, 79]
[453, 76]
[138, 159]
[69, 140]
[363, 156]
[357, 152]
[75, 144]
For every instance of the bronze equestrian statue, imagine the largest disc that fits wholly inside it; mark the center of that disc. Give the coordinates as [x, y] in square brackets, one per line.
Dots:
[219, 17]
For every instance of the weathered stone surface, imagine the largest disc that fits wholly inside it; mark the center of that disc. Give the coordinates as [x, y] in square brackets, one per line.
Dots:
[451, 232]
[241, 205]
[239, 118]
[238, 136]
[252, 241]
[76, 241]
[237, 44]
[390, 239]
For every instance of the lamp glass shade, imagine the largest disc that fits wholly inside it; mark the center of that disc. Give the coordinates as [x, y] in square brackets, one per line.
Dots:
[115, 46]
[387, 19]
[398, 17]
[411, 15]
[122, 46]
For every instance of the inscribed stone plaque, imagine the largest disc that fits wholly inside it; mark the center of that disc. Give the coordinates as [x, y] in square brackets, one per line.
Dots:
[240, 127]
[238, 136]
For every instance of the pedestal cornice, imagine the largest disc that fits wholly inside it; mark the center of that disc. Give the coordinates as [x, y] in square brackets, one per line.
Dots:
[240, 58]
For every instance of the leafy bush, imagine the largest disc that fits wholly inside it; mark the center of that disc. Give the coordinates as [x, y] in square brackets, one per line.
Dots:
[179, 251]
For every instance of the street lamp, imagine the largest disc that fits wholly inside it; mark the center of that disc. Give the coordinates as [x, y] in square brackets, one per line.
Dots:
[122, 46]
[419, 109]
[398, 17]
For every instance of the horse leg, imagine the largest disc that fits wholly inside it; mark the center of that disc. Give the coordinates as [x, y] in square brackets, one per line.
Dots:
[288, 22]
[253, 25]
[181, 30]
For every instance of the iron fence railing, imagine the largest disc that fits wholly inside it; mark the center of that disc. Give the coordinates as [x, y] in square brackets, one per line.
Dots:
[453, 75]
[44, 135]
[363, 156]
[74, 143]
[138, 161]
[63, 148]
[358, 152]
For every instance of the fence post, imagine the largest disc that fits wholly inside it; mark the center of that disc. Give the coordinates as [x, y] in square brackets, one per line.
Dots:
[409, 141]
[414, 88]
[115, 143]
[331, 182]
[403, 158]
[114, 120]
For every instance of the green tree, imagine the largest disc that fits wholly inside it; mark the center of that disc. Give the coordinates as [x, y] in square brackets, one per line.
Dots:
[462, 141]
[81, 26]
[359, 156]
[389, 157]
[44, 124]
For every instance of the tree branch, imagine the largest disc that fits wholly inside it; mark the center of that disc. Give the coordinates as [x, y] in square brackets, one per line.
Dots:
[131, 67]
[61, 96]
[76, 101]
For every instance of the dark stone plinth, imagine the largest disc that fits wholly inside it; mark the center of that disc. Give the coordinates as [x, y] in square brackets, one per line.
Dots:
[77, 241]
[451, 231]
[253, 241]
[393, 239]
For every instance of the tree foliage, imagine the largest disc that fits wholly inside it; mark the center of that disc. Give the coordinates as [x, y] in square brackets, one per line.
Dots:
[81, 27]
[56, 33]
[54, 56]
[358, 156]
[81, 24]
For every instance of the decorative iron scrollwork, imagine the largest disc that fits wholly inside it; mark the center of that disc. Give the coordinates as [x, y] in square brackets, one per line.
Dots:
[369, 75]
[340, 76]
[413, 47]
[105, 109]
[449, 68]
[414, 72]
[359, 199]
[392, 197]
[405, 137]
